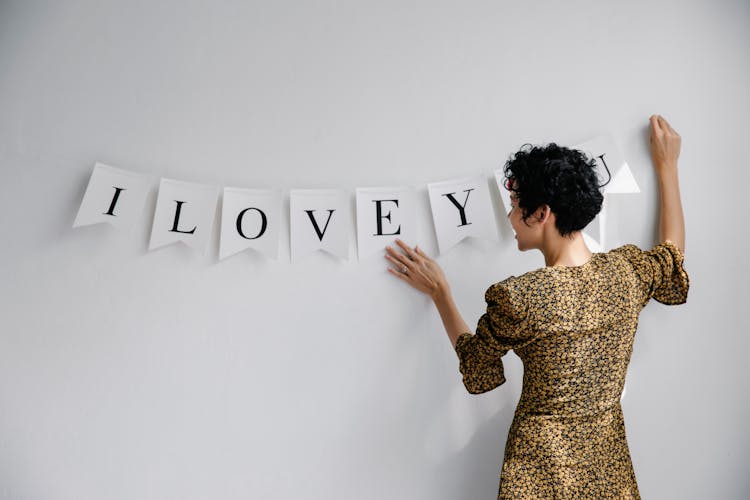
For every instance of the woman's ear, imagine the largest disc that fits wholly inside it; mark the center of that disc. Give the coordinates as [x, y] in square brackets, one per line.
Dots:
[544, 213]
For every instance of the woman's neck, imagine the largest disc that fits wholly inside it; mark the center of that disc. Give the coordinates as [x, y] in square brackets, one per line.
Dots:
[566, 251]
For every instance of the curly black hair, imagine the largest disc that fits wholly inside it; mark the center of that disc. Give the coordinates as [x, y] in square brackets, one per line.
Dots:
[563, 178]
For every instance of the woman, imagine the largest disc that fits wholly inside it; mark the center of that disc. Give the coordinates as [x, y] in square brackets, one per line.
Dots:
[572, 322]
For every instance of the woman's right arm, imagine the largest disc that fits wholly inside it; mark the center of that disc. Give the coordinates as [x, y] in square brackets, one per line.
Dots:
[665, 150]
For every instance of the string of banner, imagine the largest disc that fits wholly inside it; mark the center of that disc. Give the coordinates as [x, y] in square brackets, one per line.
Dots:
[319, 218]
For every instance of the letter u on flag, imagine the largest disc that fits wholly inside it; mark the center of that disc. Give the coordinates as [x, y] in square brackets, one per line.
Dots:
[461, 208]
[616, 178]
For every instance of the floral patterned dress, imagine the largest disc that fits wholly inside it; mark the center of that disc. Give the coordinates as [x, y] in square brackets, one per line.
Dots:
[573, 328]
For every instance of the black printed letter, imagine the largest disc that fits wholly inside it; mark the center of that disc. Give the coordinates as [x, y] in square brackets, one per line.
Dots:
[601, 157]
[111, 210]
[461, 209]
[177, 220]
[380, 217]
[315, 224]
[262, 223]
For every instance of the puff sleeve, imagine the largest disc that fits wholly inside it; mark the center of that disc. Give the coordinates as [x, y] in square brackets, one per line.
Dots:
[660, 272]
[504, 326]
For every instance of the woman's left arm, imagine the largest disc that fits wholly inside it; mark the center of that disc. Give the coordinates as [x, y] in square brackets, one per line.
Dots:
[423, 273]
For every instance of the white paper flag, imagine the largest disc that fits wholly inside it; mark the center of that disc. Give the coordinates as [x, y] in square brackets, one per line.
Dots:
[612, 167]
[461, 208]
[609, 158]
[184, 212]
[319, 220]
[250, 218]
[504, 193]
[114, 196]
[384, 214]
[591, 243]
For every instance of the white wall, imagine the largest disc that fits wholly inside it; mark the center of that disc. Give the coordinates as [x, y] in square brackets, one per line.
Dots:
[127, 374]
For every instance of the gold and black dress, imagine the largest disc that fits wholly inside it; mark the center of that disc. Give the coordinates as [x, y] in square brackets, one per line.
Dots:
[573, 328]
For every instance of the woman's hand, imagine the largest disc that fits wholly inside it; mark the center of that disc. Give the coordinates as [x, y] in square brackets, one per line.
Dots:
[425, 275]
[417, 269]
[664, 144]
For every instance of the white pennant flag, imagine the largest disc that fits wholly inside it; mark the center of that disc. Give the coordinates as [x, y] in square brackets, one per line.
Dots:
[504, 193]
[250, 218]
[591, 243]
[113, 196]
[384, 214]
[461, 208]
[610, 162]
[319, 220]
[184, 212]
[612, 167]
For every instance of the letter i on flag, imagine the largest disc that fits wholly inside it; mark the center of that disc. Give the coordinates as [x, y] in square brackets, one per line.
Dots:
[184, 212]
[319, 220]
[461, 208]
[113, 196]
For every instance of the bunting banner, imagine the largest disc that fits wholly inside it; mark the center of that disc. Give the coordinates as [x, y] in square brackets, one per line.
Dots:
[461, 208]
[320, 219]
[113, 196]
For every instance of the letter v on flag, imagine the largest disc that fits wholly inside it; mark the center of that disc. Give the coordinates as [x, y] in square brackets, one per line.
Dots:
[319, 220]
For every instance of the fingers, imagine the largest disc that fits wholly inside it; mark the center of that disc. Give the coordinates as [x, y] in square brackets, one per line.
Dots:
[399, 260]
[397, 254]
[405, 248]
[655, 126]
[664, 124]
[399, 274]
[412, 257]
[421, 273]
[669, 127]
[421, 253]
[412, 253]
[660, 124]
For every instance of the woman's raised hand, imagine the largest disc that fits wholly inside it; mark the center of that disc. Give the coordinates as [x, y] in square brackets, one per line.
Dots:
[664, 143]
[417, 269]
[665, 150]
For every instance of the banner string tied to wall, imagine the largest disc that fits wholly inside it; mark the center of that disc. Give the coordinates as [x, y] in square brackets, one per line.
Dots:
[319, 218]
